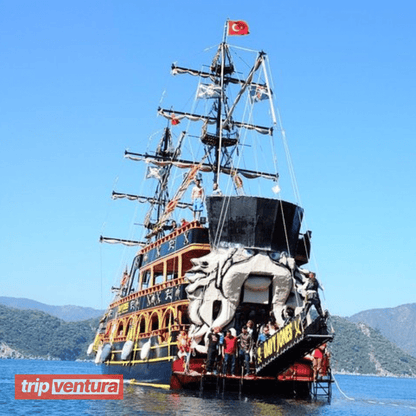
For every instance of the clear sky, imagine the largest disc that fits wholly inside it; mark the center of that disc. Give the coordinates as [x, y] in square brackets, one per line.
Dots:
[81, 81]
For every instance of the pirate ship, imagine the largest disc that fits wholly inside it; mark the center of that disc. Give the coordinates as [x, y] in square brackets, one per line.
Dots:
[242, 258]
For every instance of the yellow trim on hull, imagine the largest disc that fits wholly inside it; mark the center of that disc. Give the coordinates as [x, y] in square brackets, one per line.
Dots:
[159, 386]
[152, 360]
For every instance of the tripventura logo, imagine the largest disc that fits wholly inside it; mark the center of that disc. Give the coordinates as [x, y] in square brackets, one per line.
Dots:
[68, 386]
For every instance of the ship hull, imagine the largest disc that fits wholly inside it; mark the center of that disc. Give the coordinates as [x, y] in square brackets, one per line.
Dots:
[171, 375]
[155, 374]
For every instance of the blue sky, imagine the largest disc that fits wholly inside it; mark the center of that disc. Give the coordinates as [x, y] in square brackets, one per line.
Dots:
[81, 82]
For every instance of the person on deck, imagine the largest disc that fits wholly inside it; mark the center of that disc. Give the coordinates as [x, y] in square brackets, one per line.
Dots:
[197, 197]
[245, 343]
[287, 314]
[184, 348]
[174, 226]
[318, 356]
[251, 329]
[310, 289]
[213, 349]
[273, 328]
[265, 335]
[216, 191]
[230, 349]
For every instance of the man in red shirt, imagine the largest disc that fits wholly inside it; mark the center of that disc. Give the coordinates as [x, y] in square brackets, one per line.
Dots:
[318, 355]
[230, 348]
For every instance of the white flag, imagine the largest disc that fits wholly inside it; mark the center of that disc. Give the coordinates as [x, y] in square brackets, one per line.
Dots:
[258, 93]
[153, 172]
[208, 91]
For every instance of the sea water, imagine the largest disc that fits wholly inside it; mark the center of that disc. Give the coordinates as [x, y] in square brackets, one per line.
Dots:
[352, 395]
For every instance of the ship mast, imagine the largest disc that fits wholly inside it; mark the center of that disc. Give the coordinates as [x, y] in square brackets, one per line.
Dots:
[223, 47]
[220, 144]
[165, 153]
[219, 118]
[162, 193]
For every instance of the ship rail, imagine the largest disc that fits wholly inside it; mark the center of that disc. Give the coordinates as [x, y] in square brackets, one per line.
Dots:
[150, 290]
[290, 343]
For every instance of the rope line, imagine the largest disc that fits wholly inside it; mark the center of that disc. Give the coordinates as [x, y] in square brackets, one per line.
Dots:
[369, 401]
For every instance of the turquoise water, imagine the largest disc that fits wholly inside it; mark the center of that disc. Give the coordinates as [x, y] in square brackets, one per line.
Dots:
[355, 395]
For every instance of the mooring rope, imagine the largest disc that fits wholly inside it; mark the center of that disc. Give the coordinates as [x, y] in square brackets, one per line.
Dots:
[339, 388]
[374, 402]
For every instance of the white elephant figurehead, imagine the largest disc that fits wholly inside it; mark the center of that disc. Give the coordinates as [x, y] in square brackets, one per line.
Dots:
[221, 275]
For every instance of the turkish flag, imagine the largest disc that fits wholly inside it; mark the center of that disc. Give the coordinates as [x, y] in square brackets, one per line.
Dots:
[237, 27]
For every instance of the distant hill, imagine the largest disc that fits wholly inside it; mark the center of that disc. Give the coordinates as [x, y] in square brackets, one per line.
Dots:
[31, 333]
[396, 324]
[68, 313]
[358, 348]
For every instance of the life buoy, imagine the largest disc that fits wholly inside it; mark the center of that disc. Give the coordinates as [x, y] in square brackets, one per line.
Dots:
[127, 349]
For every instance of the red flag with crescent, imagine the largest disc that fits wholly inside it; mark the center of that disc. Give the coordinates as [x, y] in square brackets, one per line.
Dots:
[237, 27]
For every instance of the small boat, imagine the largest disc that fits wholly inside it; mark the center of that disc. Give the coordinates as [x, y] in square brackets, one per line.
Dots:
[220, 248]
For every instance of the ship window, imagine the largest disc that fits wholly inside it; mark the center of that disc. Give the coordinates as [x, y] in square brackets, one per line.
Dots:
[172, 268]
[120, 330]
[134, 274]
[142, 326]
[129, 326]
[145, 279]
[158, 278]
[154, 322]
[172, 276]
[169, 319]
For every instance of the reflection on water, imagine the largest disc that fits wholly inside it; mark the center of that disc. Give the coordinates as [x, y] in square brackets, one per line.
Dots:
[147, 401]
[361, 396]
